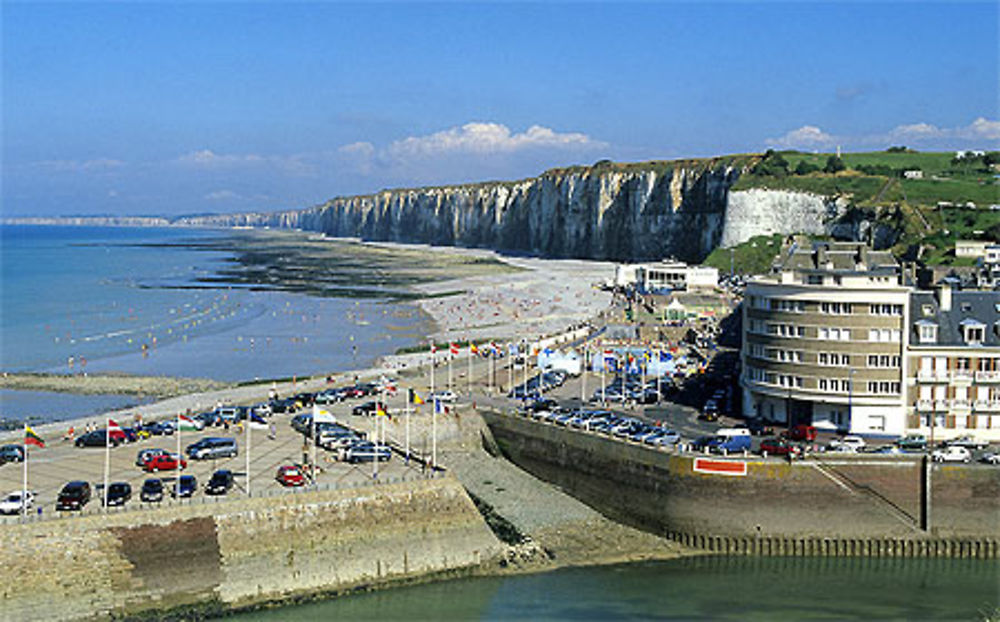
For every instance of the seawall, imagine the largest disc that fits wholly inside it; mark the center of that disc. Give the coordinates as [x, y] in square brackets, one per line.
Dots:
[838, 506]
[240, 553]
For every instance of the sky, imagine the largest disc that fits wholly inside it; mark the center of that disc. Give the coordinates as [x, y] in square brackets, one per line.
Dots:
[178, 108]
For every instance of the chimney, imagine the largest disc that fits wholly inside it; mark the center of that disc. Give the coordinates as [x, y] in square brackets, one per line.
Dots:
[944, 296]
[821, 257]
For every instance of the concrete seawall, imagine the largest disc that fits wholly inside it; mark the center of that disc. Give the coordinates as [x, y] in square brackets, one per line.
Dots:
[839, 506]
[241, 553]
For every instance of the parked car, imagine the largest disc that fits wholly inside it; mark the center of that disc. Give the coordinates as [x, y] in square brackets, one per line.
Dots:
[11, 453]
[158, 428]
[759, 427]
[73, 496]
[777, 447]
[208, 418]
[152, 490]
[101, 438]
[368, 409]
[990, 457]
[444, 396]
[290, 475]
[728, 440]
[329, 396]
[17, 501]
[367, 451]
[969, 442]
[212, 447]
[165, 462]
[184, 486]
[145, 455]
[912, 442]
[849, 443]
[118, 494]
[951, 453]
[286, 405]
[220, 483]
[801, 433]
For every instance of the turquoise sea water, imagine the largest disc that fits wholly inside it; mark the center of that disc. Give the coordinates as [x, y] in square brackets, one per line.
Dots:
[134, 300]
[707, 588]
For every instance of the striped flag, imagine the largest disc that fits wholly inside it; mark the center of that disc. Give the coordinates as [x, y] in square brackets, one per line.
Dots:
[186, 424]
[453, 348]
[113, 426]
[438, 407]
[380, 410]
[414, 398]
[30, 438]
[473, 349]
[434, 348]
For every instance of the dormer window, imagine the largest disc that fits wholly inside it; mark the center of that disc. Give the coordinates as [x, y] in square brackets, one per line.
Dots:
[927, 310]
[973, 331]
[927, 331]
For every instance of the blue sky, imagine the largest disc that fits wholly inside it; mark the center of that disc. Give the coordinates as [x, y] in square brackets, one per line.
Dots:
[139, 108]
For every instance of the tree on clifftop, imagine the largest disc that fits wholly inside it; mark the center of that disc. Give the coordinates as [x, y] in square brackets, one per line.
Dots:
[834, 165]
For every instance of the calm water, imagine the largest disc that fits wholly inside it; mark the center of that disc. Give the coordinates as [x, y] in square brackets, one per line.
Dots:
[713, 588]
[100, 299]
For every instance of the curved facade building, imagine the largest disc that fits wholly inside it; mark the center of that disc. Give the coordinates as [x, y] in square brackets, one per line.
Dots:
[824, 340]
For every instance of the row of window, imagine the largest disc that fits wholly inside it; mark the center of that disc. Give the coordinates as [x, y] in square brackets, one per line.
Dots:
[833, 384]
[832, 308]
[833, 358]
[883, 387]
[836, 385]
[836, 359]
[883, 360]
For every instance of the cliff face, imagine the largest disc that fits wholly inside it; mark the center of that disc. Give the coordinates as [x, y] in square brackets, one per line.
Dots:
[611, 213]
[759, 211]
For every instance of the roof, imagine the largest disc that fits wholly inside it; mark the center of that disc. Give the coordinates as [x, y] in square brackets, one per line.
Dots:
[968, 308]
[836, 257]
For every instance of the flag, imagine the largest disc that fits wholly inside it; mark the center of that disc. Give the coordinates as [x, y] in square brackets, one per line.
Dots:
[433, 348]
[473, 349]
[113, 426]
[438, 407]
[413, 398]
[30, 438]
[186, 424]
[453, 348]
[380, 410]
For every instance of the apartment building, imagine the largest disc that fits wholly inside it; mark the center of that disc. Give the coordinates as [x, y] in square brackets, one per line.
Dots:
[824, 339]
[954, 358]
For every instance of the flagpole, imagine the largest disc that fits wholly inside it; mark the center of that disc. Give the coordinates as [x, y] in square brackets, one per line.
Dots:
[375, 442]
[510, 369]
[492, 368]
[451, 357]
[312, 467]
[659, 375]
[24, 489]
[604, 395]
[433, 360]
[107, 459]
[434, 443]
[470, 369]
[407, 434]
[583, 379]
[249, 420]
[179, 442]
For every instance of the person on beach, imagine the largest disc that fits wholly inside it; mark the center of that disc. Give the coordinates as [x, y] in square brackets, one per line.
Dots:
[271, 431]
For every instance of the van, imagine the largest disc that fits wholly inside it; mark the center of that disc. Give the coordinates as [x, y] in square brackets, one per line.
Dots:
[212, 447]
[730, 439]
[801, 433]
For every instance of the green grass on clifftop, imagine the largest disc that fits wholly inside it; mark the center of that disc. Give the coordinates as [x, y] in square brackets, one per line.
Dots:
[751, 257]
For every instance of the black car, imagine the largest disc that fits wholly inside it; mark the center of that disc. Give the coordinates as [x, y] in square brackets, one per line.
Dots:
[368, 408]
[118, 494]
[286, 405]
[221, 482]
[98, 438]
[73, 496]
[152, 490]
[184, 486]
[158, 428]
[11, 453]
[209, 418]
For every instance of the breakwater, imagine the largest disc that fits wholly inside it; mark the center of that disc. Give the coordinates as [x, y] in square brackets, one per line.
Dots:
[838, 506]
[212, 558]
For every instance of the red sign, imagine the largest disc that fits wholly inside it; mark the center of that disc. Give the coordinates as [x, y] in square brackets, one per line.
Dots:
[720, 467]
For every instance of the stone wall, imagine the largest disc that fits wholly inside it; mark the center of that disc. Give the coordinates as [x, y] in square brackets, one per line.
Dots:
[238, 553]
[812, 500]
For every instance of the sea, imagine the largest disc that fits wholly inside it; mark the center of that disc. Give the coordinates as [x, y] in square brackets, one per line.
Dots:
[148, 301]
[697, 588]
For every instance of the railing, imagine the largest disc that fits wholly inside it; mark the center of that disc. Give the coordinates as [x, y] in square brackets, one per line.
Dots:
[964, 375]
[986, 405]
[988, 376]
[931, 375]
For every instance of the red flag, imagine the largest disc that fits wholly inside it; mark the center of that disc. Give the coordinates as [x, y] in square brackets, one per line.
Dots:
[453, 348]
[113, 426]
[433, 348]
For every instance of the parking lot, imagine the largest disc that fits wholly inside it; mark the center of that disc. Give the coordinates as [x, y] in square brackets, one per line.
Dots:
[50, 468]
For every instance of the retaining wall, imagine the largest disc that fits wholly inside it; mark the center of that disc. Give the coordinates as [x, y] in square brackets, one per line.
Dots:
[862, 506]
[223, 556]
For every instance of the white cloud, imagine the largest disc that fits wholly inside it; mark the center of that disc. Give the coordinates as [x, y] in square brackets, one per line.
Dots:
[78, 166]
[486, 139]
[981, 128]
[915, 131]
[806, 137]
[207, 157]
[222, 195]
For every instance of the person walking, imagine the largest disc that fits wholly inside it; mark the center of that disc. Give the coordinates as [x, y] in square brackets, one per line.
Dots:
[271, 431]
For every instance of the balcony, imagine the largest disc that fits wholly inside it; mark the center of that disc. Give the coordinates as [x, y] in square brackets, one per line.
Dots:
[988, 376]
[961, 376]
[930, 375]
[961, 404]
[986, 406]
[925, 405]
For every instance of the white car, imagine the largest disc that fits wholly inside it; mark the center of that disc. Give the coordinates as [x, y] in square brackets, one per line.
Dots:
[444, 396]
[952, 453]
[991, 457]
[12, 503]
[848, 443]
[969, 442]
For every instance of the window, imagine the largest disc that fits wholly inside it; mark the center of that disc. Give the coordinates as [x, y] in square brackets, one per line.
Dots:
[885, 335]
[928, 333]
[834, 359]
[883, 360]
[885, 309]
[814, 279]
[835, 308]
[974, 334]
[883, 386]
[837, 385]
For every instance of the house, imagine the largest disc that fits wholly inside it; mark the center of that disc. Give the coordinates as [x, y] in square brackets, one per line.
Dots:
[913, 174]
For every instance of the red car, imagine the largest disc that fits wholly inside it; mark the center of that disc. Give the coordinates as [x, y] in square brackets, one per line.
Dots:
[777, 447]
[290, 476]
[801, 433]
[165, 462]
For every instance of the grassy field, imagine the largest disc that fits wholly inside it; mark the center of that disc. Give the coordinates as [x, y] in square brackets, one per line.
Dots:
[751, 257]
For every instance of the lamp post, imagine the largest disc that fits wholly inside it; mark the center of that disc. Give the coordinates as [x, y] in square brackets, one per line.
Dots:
[850, 397]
